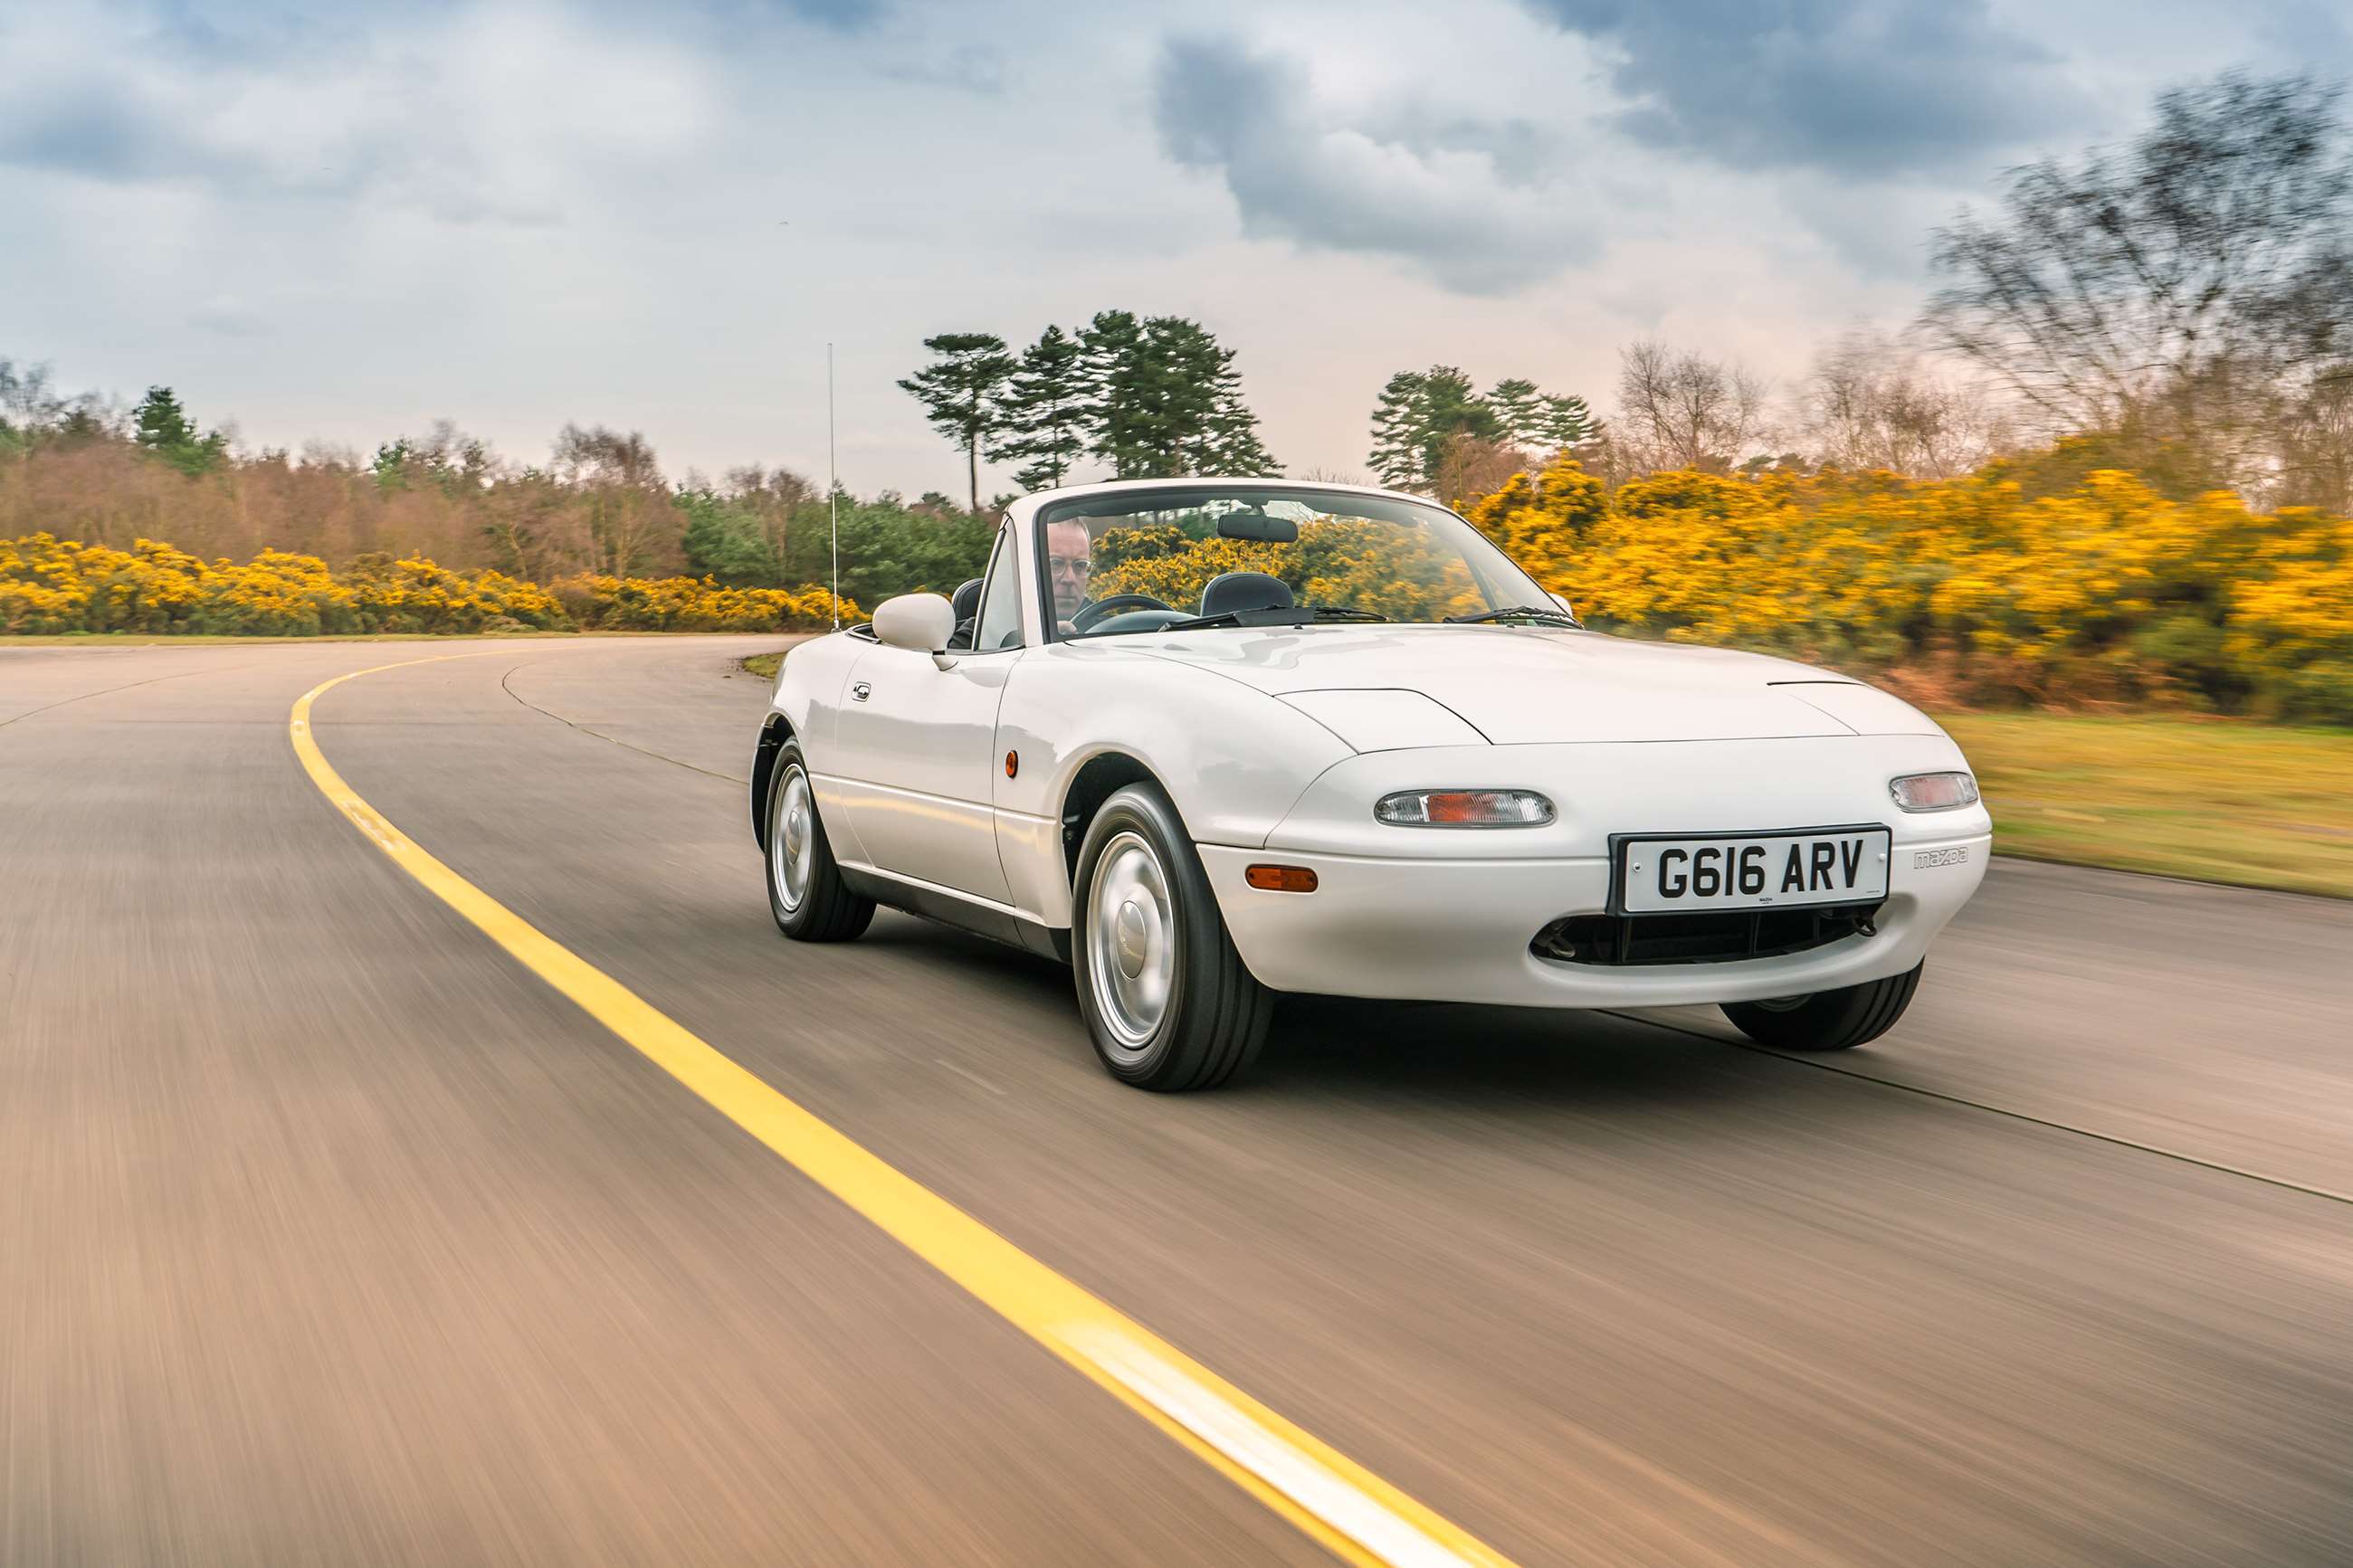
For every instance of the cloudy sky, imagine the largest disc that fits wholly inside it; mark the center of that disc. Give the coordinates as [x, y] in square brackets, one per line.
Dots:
[342, 223]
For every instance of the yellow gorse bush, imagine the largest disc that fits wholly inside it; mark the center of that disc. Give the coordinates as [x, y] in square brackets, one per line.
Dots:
[1364, 565]
[48, 585]
[1963, 589]
[694, 604]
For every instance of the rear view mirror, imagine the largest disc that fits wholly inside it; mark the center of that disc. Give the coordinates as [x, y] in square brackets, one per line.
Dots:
[1256, 525]
[1566, 608]
[920, 622]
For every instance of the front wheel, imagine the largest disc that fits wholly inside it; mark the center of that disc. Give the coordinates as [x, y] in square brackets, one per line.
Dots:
[1828, 1020]
[1166, 999]
[806, 892]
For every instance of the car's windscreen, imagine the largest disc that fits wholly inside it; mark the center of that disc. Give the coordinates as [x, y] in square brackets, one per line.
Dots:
[1237, 555]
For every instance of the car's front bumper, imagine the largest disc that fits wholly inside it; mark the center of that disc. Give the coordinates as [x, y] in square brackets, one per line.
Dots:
[1448, 915]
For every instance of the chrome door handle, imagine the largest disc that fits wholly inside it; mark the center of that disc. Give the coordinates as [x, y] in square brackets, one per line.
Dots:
[860, 691]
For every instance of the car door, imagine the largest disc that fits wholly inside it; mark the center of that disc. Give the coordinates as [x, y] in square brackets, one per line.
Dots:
[917, 747]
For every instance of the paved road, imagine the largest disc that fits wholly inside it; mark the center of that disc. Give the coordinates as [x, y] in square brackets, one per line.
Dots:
[328, 1234]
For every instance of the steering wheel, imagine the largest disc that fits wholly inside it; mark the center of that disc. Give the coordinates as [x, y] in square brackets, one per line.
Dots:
[1086, 617]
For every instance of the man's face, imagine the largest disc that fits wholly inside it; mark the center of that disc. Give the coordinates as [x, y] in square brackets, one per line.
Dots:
[1068, 561]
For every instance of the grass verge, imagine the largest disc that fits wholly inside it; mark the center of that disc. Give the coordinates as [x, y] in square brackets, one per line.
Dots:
[2257, 805]
[764, 664]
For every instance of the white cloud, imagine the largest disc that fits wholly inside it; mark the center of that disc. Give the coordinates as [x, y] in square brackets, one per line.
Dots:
[517, 213]
[496, 113]
[1464, 199]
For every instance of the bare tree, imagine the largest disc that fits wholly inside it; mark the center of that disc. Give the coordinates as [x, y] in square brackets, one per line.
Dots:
[29, 399]
[1324, 476]
[1679, 409]
[2316, 445]
[2178, 289]
[629, 515]
[1868, 403]
[1472, 466]
[772, 495]
[31, 407]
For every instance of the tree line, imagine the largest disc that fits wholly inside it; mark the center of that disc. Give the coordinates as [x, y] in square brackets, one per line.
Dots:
[599, 504]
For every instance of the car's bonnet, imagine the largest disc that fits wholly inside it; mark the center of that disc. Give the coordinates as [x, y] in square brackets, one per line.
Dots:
[1526, 687]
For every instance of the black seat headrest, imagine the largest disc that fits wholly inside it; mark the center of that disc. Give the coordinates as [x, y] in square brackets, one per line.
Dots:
[966, 600]
[1230, 591]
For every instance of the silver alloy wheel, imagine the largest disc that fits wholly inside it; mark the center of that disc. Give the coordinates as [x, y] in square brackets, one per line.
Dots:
[792, 837]
[1131, 942]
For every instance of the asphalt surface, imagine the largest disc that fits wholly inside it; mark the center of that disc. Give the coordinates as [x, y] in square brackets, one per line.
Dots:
[328, 1234]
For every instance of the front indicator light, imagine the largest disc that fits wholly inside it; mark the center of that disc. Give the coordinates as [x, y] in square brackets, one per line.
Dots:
[1280, 878]
[1934, 792]
[1463, 808]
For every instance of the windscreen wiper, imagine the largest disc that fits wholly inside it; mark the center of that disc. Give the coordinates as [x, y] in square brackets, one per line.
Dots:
[1292, 615]
[1520, 612]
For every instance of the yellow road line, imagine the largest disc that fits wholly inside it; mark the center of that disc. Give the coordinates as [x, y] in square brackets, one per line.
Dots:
[1358, 1516]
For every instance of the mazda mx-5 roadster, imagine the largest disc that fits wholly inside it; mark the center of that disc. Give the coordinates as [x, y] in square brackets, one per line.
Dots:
[1212, 741]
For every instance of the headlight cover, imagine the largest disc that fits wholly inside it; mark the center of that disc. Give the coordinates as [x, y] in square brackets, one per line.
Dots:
[1463, 808]
[1934, 792]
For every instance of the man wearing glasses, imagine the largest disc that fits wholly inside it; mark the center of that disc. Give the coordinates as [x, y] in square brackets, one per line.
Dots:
[1070, 560]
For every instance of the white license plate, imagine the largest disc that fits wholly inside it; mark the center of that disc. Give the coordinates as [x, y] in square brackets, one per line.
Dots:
[1752, 870]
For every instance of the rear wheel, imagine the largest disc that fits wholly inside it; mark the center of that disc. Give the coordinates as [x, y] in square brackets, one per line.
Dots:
[806, 892]
[1828, 1020]
[1166, 999]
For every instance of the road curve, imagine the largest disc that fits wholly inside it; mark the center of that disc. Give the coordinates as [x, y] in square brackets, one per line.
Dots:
[334, 1234]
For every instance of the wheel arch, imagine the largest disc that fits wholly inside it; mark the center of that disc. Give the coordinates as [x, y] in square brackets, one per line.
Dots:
[774, 731]
[1100, 777]
[1083, 721]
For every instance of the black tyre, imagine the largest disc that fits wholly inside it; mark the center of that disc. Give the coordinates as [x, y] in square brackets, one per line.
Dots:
[1166, 996]
[805, 892]
[1828, 1020]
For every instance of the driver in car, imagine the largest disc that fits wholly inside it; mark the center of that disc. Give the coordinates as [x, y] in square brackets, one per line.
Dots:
[1070, 560]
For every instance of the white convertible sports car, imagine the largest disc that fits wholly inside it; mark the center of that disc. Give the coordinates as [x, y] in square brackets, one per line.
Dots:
[1209, 740]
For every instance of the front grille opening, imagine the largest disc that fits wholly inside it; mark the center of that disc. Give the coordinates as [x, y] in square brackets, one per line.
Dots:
[1712, 938]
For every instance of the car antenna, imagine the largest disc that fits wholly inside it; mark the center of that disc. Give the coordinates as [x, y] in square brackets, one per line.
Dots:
[832, 488]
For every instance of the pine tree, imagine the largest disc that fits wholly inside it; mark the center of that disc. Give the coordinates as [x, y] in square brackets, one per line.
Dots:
[1239, 454]
[1114, 374]
[962, 394]
[1419, 417]
[163, 424]
[390, 465]
[1233, 447]
[1162, 398]
[1183, 365]
[1398, 420]
[726, 540]
[1566, 424]
[1047, 407]
[1520, 412]
[1537, 423]
[164, 428]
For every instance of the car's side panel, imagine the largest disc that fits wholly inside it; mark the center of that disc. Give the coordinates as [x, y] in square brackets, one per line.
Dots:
[1232, 759]
[810, 690]
[913, 758]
